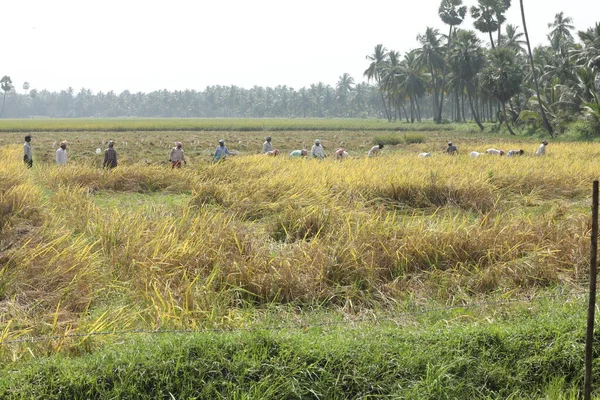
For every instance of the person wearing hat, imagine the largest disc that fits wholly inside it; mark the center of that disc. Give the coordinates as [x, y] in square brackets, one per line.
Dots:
[221, 152]
[451, 149]
[317, 150]
[375, 150]
[27, 159]
[542, 149]
[176, 156]
[110, 156]
[267, 146]
[61, 153]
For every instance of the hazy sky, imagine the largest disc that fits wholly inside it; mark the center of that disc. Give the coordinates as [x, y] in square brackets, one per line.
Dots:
[189, 44]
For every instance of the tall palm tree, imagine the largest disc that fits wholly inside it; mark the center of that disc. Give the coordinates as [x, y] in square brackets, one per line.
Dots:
[343, 89]
[484, 15]
[560, 34]
[378, 59]
[452, 13]
[7, 86]
[430, 56]
[410, 80]
[589, 54]
[513, 39]
[466, 59]
[489, 17]
[537, 86]
[502, 78]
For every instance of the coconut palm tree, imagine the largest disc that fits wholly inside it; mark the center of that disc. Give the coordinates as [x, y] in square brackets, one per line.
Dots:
[513, 39]
[430, 56]
[502, 78]
[466, 59]
[378, 59]
[589, 54]
[344, 88]
[452, 13]
[533, 73]
[560, 35]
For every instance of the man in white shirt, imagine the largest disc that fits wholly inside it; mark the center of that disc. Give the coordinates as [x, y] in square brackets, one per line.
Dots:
[176, 156]
[317, 150]
[61, 153]
[27, 159]
[542, 149]
[514, 153]
[375, 150]
[495, 152]
[267, 146]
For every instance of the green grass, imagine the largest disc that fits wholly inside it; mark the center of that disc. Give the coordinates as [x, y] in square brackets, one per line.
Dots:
[220, 124]
[535, 354]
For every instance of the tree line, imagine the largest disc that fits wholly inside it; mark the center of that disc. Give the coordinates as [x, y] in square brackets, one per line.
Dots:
[451, 76]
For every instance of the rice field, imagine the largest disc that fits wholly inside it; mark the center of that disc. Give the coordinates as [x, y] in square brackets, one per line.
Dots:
[255, 239]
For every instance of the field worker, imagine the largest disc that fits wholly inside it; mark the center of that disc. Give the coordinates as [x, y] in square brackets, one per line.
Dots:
[475, 154]
[299, 153]
[542, 149]
[375, 150]
[495, 152]
[317, 150]
[424, 155]
[61, 153]
[340, 154]
[512, 153]
[451, 149]
[176, 156]
[110, 156]
[273, 153]
[27, 158]
[267, 146]
[221, 152]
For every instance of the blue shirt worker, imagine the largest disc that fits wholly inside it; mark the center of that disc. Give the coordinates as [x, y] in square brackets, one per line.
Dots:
[221, 152]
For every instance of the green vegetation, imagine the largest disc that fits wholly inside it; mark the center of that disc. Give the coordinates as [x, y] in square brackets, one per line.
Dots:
[208, 124]
[537, 355]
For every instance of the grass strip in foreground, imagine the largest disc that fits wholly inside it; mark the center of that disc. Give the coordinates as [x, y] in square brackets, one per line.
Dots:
[526, 358]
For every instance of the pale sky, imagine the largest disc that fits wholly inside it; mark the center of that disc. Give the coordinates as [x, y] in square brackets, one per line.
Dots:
[146, 45]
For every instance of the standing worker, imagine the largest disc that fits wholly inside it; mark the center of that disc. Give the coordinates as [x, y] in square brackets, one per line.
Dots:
[267, 146]
[176, 156]
[317, 150]
[541, 151]
[451, 149]
[61, 153]
[221, 152]
[27, 159]
[110, 156]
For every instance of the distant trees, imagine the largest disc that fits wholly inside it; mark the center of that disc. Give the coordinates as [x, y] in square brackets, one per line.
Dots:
[453, 77]
[7, 86]
[502, 78]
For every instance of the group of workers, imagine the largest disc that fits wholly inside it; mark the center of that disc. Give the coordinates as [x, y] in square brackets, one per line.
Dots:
[177, 156]
[317, 151]
[453, 150]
